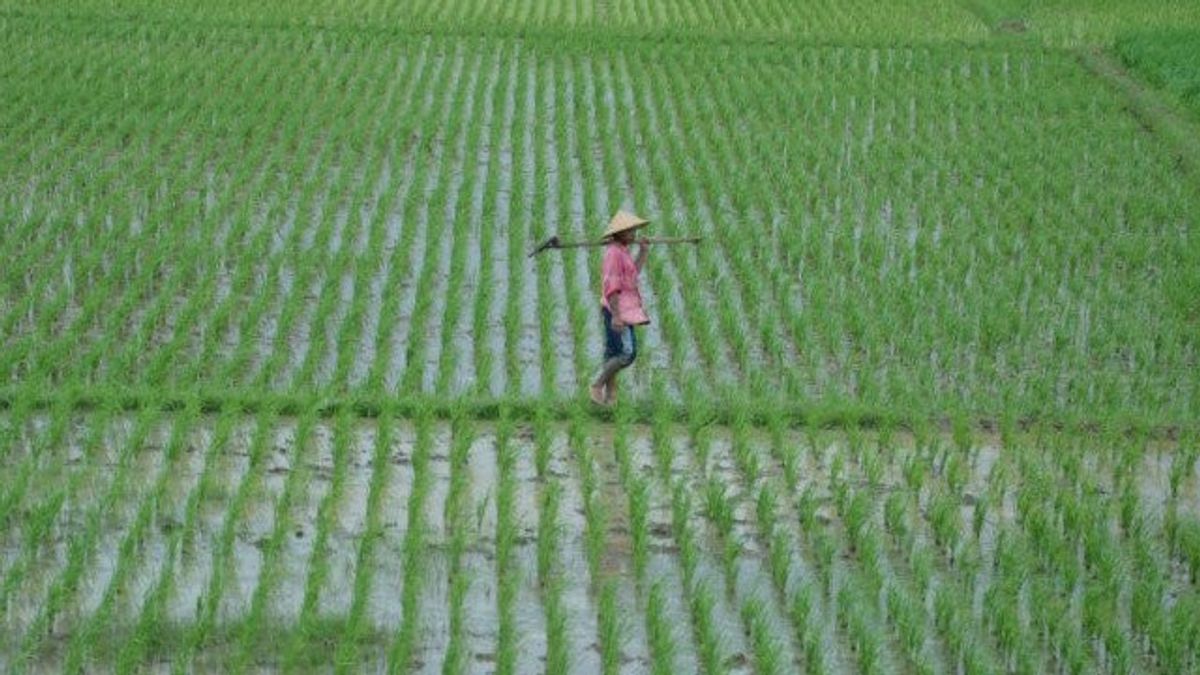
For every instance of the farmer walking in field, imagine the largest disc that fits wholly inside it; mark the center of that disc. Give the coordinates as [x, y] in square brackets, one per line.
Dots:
[620, 302]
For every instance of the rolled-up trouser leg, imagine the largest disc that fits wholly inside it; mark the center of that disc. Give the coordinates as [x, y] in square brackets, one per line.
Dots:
[620, 350]
[611, 367]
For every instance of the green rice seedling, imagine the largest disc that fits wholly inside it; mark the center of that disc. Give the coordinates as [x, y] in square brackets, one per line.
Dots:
[708, 640]
[979, 517]
[862, 637]
[895, 516]
[506, 534]
[1186, 542]
[609, 629]
[945, 522]
[558, 657]
[639, 508]
[768, 653]
[806, 509]
[548, 532]
[825, 550]
[659, 632]
[766, 507]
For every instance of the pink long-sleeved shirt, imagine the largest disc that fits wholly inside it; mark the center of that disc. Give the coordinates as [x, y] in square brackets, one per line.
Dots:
[619, 274]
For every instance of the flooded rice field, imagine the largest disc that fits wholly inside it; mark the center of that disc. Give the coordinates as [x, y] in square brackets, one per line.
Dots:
[179, 540]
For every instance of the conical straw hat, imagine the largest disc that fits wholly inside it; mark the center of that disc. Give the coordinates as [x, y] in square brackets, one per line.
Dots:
[624, 220]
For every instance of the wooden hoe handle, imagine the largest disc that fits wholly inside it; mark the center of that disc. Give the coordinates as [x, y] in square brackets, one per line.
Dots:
[554, 242]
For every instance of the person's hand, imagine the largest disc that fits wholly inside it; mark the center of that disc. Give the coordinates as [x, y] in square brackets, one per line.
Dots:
[643, 242]
[617, 324]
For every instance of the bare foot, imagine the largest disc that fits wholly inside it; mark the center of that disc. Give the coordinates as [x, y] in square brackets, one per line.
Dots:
[597, 394]
[610, 396]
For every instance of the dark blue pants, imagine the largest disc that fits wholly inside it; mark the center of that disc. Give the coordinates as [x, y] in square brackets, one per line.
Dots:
[618, 344]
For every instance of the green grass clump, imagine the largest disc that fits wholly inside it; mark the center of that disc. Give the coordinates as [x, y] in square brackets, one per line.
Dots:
[1168, 59]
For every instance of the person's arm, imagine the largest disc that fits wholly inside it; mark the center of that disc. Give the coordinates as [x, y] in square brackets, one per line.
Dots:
[643, 249]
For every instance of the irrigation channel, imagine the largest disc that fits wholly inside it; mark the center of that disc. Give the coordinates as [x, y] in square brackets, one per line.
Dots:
[184, 540]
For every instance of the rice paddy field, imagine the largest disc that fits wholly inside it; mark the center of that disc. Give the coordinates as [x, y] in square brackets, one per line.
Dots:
[281, 389]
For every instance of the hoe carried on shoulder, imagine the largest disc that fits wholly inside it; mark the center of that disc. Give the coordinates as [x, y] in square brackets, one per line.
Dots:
[555, 243]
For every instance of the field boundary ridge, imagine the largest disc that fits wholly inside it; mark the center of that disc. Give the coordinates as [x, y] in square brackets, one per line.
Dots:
[752, 413]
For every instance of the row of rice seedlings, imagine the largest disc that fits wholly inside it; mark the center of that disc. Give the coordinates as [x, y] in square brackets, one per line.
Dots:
[539, 151]
[297, 363]
[260, 162]
[207, 488]
[357, 627]
[64, 586]
[303, 266]
[507, 530]
[735, 307]
[519, 378]
[53, 352]
[1052, 591]
[323, 213]
[714, 151]
[209, 605]
[348, 320]
[336, 73]
[1086, 516]
[106, 616]
[581, 303]
[458, 519]
[36, 466]
[549, 536]
[426, 158]
[603, 581]
[72, 261]
[323, 329]
[637, 487]
[397, 203]
[682, 20]
[675, 178]
[253, 240]
[711, 646]
[1049, 586]
[152, 633]
[368, 193]
[270, 269]
[962, 631]
[416, 548]
[461, 240]
[800, 599]
[251, 631]
[266, 270]
[769, 652]
[205, 300]
[433, 206]
[36, 520]
[1103, 566]
[770, 494]
[310, 627]
[488, 291]
[181, 264]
